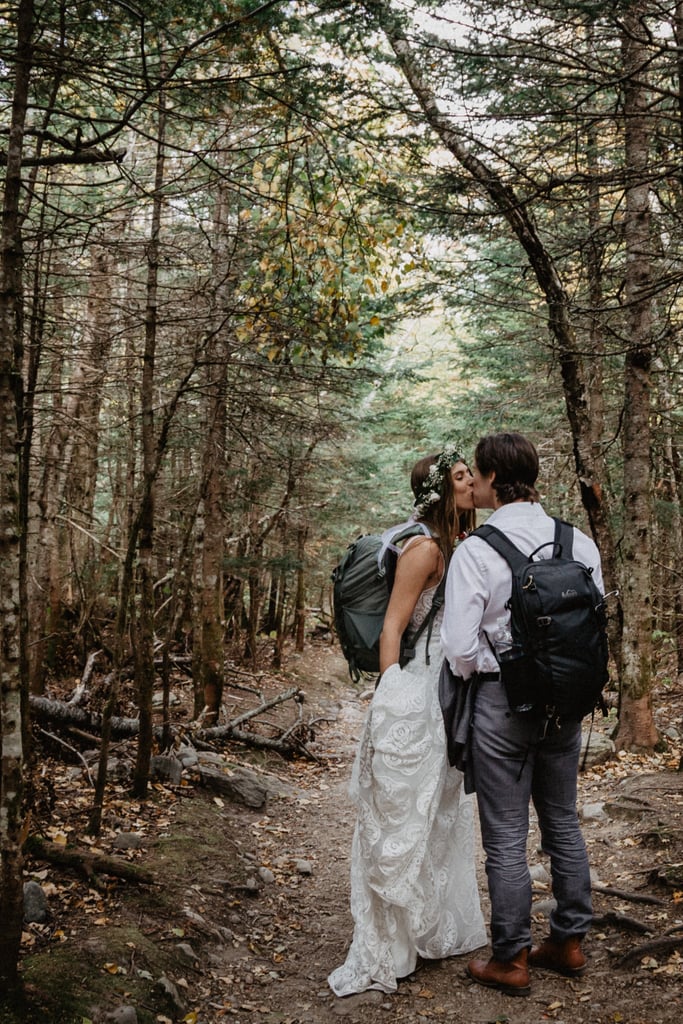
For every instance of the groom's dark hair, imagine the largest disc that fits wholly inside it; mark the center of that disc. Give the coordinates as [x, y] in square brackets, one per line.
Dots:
[514, 460]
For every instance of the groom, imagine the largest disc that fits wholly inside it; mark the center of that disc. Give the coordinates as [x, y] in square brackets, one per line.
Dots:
[510, 764]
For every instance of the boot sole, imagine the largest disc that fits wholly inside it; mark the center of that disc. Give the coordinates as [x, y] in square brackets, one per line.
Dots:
[508, 990]
[566, 972]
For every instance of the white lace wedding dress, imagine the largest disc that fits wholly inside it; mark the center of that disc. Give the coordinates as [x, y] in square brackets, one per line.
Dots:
[413, 883]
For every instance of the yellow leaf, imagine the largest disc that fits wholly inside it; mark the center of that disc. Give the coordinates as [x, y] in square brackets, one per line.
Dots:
[375, 321]
[190, 1018]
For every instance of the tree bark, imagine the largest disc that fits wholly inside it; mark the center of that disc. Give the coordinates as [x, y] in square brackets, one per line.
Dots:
[145, 672]
[636, 724]
[210, 602]
[300, 603]
[12, 579]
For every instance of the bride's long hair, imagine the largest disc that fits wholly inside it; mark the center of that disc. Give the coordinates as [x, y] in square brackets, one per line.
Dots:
[441, 516]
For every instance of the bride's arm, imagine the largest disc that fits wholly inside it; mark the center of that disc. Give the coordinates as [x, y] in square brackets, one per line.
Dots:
[419, 566]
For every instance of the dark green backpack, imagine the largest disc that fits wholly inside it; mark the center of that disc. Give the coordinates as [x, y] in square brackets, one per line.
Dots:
[362, 586]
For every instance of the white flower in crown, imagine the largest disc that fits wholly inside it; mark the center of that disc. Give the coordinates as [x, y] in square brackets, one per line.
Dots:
[430, 491]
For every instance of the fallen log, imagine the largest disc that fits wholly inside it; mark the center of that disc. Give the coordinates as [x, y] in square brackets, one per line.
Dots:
[86, 862]
[55, 712]
[45, 710]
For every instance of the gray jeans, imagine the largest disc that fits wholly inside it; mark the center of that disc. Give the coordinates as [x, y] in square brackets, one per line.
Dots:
[512, 764]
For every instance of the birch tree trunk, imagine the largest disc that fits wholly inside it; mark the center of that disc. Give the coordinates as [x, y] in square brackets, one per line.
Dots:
[12, 687]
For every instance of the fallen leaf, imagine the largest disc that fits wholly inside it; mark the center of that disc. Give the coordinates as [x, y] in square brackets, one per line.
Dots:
[112, 968]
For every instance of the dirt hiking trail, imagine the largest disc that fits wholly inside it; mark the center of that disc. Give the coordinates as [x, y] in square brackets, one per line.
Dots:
[252, 909]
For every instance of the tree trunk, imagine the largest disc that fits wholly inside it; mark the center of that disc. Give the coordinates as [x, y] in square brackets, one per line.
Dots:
[594, 273]
[636, 725]
[145, 671]
[300, 604]
[12, 688]
[210, 603]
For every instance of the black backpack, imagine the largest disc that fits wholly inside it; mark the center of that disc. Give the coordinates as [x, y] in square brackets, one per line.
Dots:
[557, 662]
[362, 586]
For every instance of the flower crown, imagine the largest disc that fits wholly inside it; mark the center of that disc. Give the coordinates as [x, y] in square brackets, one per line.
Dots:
[431, 487]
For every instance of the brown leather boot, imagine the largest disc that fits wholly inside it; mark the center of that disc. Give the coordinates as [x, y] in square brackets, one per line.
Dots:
[510, 976]
[564, 957]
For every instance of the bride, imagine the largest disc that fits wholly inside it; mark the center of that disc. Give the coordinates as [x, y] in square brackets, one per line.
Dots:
[413, 883]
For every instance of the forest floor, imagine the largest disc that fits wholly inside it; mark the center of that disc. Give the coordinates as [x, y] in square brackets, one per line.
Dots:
[250, 908]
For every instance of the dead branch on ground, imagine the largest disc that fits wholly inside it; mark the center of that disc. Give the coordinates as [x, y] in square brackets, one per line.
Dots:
[664, 944]
[632, 897]
[87, 862]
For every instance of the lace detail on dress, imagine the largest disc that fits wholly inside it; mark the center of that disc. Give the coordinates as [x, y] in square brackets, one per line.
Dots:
[421, 610]
[413, 880]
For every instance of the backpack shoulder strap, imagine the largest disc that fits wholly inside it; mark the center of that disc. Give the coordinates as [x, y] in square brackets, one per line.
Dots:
[500, 543]
[392, 537]
[564, 538]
